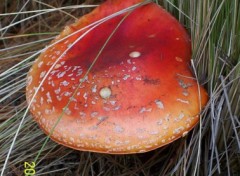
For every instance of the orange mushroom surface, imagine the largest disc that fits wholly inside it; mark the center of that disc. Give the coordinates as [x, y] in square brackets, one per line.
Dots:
[121, 86]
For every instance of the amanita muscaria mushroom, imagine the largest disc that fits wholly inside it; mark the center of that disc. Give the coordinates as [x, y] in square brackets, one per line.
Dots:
[139, 94]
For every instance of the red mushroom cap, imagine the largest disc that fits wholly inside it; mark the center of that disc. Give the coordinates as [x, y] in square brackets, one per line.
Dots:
[140, 93]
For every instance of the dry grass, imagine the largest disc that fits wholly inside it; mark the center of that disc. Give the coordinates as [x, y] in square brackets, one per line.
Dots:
[212, 148]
